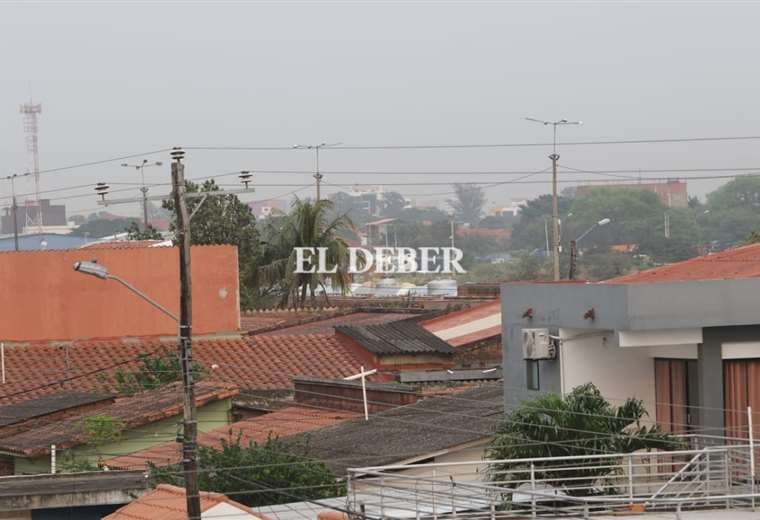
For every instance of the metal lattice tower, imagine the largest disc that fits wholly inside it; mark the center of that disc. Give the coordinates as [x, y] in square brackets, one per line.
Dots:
[30, 111]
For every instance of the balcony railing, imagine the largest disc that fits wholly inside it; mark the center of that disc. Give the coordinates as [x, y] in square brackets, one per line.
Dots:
[710, 477]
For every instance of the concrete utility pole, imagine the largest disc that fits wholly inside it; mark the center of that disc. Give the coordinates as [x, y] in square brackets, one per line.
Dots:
[143, 188]
[555, 202]
[316, 147]
[451, 237]
[190, 424]
[14, 206]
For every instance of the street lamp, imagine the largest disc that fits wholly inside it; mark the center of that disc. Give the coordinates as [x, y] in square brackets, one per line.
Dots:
[602, 222]
[143, 188]
[555, 205]
[316, 147]
[100, 271]
[574, 245]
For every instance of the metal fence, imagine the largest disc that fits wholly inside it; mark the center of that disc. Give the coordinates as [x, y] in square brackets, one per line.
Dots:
[709, 477]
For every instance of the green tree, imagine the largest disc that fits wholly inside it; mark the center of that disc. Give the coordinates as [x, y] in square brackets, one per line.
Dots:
[753, 238]
[153, 371]
[97, 430]
[224, 219]
[637, 217]
[423, 215]
[742, 192]
[581, 423]
[393, 203]
[103, 227]
[307, 225]
[135, 232]
[633, 214]
[469, 202]
[682, 243]
[603, 265]
[732, 212]
[238, 469]
[529, 232]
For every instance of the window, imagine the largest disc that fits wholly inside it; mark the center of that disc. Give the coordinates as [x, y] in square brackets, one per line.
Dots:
[531, 366]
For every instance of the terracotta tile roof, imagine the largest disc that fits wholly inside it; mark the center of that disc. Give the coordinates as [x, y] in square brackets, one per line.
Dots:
[740, 262]
[327, 326]
[276, 318]
[468, 325]
[253, 363]
[283, 423]
[132, 412]
[167, 502]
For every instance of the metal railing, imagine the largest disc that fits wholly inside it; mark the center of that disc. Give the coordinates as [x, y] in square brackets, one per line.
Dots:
[710, 477]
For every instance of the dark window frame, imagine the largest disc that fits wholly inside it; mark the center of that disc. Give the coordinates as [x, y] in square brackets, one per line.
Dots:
[533, 374]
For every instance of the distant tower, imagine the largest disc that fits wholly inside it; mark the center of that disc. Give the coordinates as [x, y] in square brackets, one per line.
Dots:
[30, 111]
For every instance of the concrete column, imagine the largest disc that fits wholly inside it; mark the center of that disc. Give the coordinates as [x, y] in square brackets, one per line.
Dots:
[513, 365]
[709, 398]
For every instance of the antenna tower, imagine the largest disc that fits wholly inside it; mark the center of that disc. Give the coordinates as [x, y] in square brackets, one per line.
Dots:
[31, 130]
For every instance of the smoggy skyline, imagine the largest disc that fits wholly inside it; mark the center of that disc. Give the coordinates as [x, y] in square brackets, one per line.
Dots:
[118, 78]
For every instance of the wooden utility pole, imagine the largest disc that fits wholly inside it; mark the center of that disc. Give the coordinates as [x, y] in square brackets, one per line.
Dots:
[190, 424]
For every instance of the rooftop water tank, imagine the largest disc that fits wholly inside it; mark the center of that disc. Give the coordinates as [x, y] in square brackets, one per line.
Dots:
[445, 287]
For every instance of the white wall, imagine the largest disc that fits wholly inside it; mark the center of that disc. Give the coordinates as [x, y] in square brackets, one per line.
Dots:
[619, 373]
[227, 512]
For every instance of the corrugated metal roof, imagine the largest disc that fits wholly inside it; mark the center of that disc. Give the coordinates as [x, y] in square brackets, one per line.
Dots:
[16, 413]
[399, 337]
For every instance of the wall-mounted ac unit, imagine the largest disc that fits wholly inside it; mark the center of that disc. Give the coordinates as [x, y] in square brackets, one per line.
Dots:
[537, 344]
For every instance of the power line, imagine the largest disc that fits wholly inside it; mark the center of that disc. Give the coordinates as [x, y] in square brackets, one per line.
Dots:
[103, 161]
[488, 145]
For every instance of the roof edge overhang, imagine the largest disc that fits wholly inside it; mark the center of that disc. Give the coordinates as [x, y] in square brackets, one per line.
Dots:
[677, 305]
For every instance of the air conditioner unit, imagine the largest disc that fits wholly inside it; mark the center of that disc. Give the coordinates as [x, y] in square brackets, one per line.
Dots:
[538, 344]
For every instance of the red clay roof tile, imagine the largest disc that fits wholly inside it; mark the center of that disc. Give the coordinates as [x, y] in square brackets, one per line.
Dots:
[167, 502]
[253, 363]
[131, 412]
[740, 262]
[283, 423]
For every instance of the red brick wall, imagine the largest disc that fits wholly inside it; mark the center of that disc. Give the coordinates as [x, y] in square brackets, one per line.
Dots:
[487, 353]
[342, 397]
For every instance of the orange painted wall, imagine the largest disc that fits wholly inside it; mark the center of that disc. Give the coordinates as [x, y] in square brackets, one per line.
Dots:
[43, 298]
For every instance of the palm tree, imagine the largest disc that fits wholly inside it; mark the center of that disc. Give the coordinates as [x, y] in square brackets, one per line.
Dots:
[307, 226]
[582, 422]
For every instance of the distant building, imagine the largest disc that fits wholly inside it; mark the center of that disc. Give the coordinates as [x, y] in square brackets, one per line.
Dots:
[53, 216]
[268, 208]
[369, 201]
[672, 193]
[514, 209]
[42, 241]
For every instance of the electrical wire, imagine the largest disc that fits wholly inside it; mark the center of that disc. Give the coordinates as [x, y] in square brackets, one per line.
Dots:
[488, 145]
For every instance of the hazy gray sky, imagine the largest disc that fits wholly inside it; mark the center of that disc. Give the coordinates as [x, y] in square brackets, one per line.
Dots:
[121, 78]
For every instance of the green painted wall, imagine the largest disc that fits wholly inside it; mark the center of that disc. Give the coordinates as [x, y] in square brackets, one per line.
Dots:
[211, 416]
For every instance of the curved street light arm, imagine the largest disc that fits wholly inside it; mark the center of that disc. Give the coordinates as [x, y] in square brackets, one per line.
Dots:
[142, 295]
